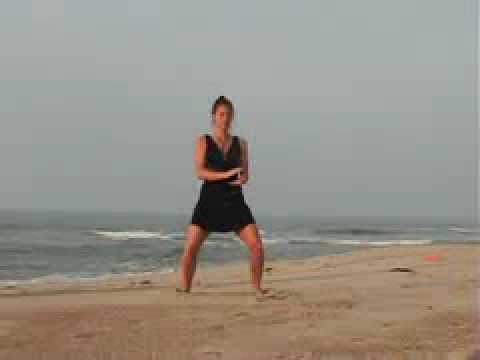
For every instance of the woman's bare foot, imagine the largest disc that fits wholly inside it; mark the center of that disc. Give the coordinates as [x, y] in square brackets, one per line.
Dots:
[181, 290]
[261, 291]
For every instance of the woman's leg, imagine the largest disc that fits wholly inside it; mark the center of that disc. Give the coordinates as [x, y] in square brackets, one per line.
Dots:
[195, 236]
[250, 236]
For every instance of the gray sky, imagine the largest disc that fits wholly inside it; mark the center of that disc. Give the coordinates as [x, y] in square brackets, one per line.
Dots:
[350, 108]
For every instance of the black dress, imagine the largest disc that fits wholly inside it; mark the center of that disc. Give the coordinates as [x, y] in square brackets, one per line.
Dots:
[221, 207]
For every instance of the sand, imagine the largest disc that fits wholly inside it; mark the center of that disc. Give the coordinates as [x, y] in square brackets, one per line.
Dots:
[346, 306]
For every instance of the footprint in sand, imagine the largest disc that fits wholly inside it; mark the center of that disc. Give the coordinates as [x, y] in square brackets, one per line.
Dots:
[274, 294]
[210, 353]
[242, 315]
[85, 335]
[325, 309]
[357, 339]
[217, 327]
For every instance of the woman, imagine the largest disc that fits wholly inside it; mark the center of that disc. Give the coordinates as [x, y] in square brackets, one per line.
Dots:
[221, 160]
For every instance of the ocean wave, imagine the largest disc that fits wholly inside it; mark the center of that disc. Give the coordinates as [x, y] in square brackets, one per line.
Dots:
[72, 279]
[355, 231]
[143, 234]
[221, 244]
[463, 230]
[274, 240]
[133, 234]
[176, 235]
[360, 242]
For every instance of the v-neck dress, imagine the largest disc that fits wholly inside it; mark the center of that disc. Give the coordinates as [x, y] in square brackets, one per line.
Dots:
[221, 207]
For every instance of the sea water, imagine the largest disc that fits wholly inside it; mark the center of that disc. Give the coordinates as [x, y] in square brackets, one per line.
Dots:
[44, 246]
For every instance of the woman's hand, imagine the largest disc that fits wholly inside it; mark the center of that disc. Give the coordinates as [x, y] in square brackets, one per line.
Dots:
[234, 171]
[241, 179]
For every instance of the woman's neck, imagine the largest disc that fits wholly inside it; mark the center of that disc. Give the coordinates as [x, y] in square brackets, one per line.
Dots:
[221, 134]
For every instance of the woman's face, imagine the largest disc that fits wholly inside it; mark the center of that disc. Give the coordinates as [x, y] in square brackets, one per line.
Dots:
[223, 117]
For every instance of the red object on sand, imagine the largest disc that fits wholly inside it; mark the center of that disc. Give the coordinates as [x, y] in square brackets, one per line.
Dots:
[433, 257]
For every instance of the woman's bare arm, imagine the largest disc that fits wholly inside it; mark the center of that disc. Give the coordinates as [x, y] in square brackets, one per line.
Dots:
[244, 160]
[201, 171]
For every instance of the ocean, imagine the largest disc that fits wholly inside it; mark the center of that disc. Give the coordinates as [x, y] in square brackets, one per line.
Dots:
[56, 246]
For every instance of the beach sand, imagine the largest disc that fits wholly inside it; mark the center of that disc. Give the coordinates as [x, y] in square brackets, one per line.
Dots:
[346, 306]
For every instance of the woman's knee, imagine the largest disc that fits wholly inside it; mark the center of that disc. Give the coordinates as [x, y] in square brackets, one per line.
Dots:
[193, 242]
[190, 251]
[256, 249]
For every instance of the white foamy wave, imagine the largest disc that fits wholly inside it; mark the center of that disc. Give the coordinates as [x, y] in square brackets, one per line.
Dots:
[221, 244]
[426, 228]
[274, 240]
[66, 279]
[133, 234]
[362, 242]
[176, 235]
[381, 242]
[272, 237]
[224, 235]
[462, 230]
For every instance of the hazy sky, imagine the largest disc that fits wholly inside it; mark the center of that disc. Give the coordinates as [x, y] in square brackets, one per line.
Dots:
[350, 108]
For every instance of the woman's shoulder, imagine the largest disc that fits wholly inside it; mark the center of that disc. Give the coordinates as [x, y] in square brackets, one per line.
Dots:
[241, 140]
[201, 140]
[202, 137]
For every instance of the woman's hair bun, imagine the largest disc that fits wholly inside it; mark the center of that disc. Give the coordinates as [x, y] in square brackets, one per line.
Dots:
[222, 100]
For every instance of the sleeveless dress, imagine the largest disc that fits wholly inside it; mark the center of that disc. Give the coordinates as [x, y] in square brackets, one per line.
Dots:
[221, 207]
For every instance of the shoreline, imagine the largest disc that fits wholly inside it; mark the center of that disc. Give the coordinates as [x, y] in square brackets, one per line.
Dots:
[148, 279]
